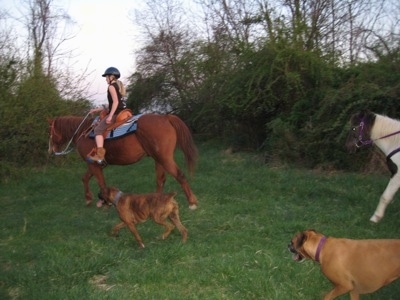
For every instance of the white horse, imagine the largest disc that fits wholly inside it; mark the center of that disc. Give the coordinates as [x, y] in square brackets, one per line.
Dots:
[369, 128]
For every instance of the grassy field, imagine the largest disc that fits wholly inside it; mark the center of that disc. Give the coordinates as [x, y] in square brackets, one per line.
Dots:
[53, 247]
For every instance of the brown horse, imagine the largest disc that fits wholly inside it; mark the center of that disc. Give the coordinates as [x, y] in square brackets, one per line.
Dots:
[156, 136]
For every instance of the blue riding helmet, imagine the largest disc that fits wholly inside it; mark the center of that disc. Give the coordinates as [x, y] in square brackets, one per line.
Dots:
[112, 71]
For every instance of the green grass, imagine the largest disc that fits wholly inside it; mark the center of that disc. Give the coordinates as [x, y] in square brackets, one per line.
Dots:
[53, 247]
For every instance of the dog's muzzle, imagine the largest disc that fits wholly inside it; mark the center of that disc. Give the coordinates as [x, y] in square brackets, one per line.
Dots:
[296, 255]
[102, 199]
[100, 196]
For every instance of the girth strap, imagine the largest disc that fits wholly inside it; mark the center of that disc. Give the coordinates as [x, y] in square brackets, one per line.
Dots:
[393, 153]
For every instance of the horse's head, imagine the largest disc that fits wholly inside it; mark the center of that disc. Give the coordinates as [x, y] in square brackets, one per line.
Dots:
[360, 130]
[56, 139]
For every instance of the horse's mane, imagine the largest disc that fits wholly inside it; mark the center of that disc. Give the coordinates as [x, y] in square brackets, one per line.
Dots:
[384, 125]
[67, 125]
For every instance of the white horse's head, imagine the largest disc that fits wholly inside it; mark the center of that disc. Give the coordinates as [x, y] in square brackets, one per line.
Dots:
[361, 125]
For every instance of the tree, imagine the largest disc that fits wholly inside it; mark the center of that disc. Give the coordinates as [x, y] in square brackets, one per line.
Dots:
[279, 76]
[32, 86]
[49, 28]
[167, 42]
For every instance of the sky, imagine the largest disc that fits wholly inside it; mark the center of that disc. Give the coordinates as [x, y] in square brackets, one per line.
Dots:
[104, 37]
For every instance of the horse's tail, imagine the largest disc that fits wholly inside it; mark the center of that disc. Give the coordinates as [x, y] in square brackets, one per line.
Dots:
[185, 142]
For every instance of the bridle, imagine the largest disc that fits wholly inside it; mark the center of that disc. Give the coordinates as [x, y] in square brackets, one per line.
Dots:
[54, 132]
[360, 142]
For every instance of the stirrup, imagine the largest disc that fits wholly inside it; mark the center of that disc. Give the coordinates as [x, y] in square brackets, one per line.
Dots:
[101, 162]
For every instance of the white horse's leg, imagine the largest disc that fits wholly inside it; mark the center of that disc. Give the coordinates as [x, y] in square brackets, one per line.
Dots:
[386, 198]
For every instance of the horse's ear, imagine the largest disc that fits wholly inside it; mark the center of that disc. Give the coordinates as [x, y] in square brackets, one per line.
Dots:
[365, 112]
[359, 116]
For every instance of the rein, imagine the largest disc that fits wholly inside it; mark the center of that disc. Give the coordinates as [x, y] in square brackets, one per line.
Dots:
[67, 150]
[319, 248]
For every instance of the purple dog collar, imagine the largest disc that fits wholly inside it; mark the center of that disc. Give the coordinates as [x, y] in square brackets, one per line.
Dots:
[319, 248]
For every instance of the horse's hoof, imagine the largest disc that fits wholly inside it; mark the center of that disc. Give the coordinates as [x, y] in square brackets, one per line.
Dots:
[100, 203]
[88, 202]
[193, 206]
[375, 218]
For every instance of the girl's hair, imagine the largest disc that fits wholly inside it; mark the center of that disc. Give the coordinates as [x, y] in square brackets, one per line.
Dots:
[122, 89]
[121, 86]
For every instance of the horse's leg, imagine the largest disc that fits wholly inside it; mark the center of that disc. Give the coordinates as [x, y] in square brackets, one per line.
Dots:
[97, 171]
[386, 198]
[160, 177]
[88, 194]
[172, 168]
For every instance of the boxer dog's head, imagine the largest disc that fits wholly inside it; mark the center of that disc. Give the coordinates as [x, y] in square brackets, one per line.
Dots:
[303, 244]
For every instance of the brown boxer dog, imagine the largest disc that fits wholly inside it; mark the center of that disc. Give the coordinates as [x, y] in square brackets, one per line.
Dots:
[137, 208]
[353, 266]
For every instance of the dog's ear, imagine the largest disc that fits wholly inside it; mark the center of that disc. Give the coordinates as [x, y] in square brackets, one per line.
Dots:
[302, 238]
[112, 189]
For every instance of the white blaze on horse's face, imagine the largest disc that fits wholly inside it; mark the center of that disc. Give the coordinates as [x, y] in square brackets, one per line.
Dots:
[52, 149]
[53, 145]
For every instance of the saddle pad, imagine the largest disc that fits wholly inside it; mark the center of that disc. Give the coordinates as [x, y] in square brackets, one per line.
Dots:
[128, 127]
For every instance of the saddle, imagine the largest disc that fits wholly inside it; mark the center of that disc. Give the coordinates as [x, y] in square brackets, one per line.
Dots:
[123, 116]
[125, 123]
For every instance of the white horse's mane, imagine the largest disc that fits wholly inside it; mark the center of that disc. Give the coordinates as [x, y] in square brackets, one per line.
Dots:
[383, 126]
